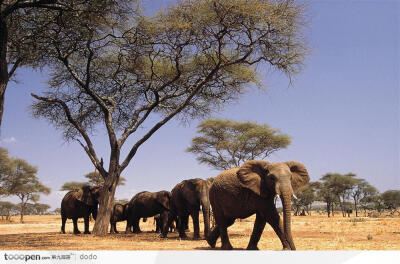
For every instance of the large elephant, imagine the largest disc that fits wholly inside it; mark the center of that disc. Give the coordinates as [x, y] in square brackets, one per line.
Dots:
[251, 189]
[119, 213]
[147, 204]
[80, 203]
[186, 198]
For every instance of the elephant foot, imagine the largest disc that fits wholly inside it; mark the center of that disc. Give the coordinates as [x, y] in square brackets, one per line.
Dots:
[87, 232]
[128, 232]
[196, 237]
[252, 247]
[62, 231]
[184, 237]
[227, 246]
[77, 232]
[116, 232]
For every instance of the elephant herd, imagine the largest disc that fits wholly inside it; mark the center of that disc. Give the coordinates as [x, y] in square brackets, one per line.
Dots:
[235, 193]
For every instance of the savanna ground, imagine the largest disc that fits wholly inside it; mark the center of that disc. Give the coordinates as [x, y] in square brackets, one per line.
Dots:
[316, 232]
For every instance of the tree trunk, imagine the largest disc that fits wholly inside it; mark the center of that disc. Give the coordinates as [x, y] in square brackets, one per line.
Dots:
[355, 207]
[3, 64]
[21, 219]
[328, 209]
[106, 204]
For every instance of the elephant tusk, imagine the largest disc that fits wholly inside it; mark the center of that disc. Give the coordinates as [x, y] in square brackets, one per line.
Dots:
[295, 197]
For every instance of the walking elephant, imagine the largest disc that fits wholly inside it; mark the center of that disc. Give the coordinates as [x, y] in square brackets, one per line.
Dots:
[119, 213]
[147, 204]
[80, 203]
[186, 198]
[251, 189]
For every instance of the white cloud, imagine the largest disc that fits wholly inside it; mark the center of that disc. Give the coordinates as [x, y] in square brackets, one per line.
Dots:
[8, 140]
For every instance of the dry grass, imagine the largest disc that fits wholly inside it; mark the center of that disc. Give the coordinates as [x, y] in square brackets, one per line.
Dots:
[316, 232]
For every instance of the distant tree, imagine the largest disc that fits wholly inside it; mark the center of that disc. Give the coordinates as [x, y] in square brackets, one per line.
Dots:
[70, 186]
[361, 189]
[95, 179]
[369, 198]
[123, 69]
[391, 200]
[41, 209]
[225, 144]
[341, 186]
[305, 198]
[121, 201]
[5, 169]
[57, 211]
[22, 182]
[6, 209]
[324, 194]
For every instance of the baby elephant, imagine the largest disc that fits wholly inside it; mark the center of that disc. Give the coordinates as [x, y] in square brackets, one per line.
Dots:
[158, 220]
[119, 214]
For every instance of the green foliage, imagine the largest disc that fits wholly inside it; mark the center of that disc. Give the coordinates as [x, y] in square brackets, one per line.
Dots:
[225, 144]
[20, 179]
[95, 179]
[119, 69]
[391, 199]
[70, 186]
[305, 197]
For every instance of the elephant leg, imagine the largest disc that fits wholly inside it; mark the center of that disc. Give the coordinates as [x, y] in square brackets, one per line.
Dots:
[258, 228]
[63, 220]
[136, 227]
[213, 236]
[76, 230]
[276, 223]
[128, 228]
[181, 227]
[86, 221]
[223, 230]
[196, 226]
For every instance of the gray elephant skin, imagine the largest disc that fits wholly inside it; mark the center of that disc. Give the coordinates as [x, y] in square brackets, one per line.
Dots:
[119, 213]
[186, 198]
[147, 204]
[158, 221]
[80, 203]
[251, 189]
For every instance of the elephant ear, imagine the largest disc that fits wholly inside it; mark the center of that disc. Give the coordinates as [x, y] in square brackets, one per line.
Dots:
[300, 175]
[163, 198]
[84, 195]
[250, 175]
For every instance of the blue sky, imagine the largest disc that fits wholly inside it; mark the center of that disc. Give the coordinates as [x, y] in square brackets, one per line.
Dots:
[342, 111]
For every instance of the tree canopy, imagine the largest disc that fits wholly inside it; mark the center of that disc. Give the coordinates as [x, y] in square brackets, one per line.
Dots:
[117, 69]
[225, 144]
[20, 179]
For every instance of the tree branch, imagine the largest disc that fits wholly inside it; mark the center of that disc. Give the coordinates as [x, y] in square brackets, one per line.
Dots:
[89, 148]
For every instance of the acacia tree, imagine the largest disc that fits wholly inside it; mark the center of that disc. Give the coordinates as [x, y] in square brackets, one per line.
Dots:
[225, 144]
[324, 194]
[22, 182]
[361, 190]
[95, 179]
[340, 186]
[70, 186]
[183, 62]
[20, 40]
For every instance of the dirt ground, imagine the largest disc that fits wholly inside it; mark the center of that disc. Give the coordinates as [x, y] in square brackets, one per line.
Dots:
[316, 232]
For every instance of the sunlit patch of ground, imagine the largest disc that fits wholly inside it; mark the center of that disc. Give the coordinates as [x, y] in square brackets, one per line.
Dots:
[316, 232]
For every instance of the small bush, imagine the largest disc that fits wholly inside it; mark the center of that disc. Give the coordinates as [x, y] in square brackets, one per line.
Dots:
[355, 220]
[369, 237]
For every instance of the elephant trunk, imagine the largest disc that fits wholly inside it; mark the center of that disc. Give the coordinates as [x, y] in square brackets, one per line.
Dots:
[205, 205]
[287, 213]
